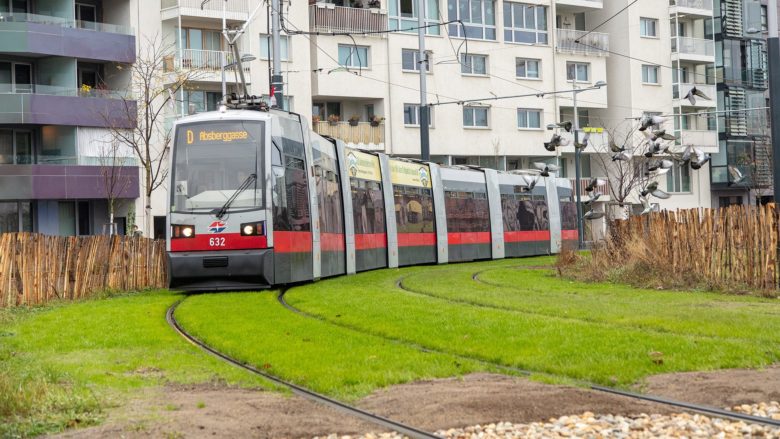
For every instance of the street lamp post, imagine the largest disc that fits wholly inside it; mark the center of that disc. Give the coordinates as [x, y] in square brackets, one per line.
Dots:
[577, 156]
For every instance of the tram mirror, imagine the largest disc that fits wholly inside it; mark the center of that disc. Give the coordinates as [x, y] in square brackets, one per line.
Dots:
[181, 188]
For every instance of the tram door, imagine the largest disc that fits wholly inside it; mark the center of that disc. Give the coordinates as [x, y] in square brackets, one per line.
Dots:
[414, 217]
[328, 186]
[291, 213]
[368, 211]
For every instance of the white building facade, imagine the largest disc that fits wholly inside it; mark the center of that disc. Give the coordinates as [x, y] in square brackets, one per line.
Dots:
[364, 87]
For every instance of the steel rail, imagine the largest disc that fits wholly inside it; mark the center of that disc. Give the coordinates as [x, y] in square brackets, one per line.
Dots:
[699, 408]
[296, 389]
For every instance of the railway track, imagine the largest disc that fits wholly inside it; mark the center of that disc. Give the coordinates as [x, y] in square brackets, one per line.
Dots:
[698, 408]
[407, 430]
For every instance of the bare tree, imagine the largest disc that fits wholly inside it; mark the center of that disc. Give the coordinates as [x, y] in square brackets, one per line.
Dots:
[154, 84]
[115, 179]
[625, 177]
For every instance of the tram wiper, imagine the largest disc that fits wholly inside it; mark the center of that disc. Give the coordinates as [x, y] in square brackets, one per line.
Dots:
[244, 186]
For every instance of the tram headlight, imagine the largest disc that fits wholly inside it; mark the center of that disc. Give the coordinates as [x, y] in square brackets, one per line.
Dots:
[182, 231]
[253, 229]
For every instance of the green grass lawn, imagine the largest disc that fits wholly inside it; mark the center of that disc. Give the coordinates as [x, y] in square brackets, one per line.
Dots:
[62, 365]
[533, 320]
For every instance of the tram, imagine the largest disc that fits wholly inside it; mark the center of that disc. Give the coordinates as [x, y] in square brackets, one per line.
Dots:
[258, 199]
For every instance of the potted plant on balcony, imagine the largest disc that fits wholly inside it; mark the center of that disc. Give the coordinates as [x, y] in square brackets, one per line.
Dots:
[376, 120]
[315, 119]
[334, 119]
[353, 120]
[374, 4]
[356, 4]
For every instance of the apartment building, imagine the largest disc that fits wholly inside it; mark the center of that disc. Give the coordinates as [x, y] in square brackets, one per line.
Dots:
[60, 91]
[744, 135]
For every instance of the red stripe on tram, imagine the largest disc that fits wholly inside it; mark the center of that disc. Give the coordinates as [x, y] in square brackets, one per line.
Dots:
[367, 241]
[416, 239]
[332, 242]
[468, 238]
[292, 242]
[527, 236]
[218, 241]
[569, 235]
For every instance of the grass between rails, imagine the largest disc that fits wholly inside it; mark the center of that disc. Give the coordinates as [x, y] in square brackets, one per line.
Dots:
[607, 351]
[62, 365]
[541, 292]
[339, 362]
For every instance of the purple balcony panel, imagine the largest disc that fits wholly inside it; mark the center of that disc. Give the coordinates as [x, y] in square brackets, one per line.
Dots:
[67, 110]
[65, 182]
[80, 43]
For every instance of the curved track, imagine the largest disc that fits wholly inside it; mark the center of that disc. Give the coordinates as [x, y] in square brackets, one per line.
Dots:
[298, 390]
[699, 408]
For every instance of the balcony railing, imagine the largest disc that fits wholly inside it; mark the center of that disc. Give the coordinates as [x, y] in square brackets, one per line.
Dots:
[66, 23]
[596, 3]
[364, 133]
[602, 188]
[693, 46]
[205, 60]
[211, 8]
[51, 90]
[692, 4]
[578, 41]
[710, 90]
[326, 17]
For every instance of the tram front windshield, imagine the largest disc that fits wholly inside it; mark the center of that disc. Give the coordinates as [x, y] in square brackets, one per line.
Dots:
[214, 161]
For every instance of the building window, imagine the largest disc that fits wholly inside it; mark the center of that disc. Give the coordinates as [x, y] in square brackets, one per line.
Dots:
[198, 101]
[402, 15]
[478, 17]
[267, 47]
[529, 119]
[475, 117]
[15, 216]
[648, 27]
[678, 179]
[412, 115]
[15, 147]
[579, 72]
[525, 24]
[473, 64]
[353, 56]
[410, 61]
[527, 68]
[649, 74]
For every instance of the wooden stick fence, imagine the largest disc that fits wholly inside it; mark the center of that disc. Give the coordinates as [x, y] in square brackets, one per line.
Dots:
[736, 245]
[35, 269]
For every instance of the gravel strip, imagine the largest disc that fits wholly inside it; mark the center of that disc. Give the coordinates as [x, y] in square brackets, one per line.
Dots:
[589, 425]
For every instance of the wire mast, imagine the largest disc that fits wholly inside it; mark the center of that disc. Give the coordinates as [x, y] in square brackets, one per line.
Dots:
[425, 152]
[277, 82]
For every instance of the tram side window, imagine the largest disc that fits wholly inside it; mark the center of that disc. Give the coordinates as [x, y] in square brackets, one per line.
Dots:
[328, 185]
[523, 212]
[568, 214]
[290, 193]
[467, 211]
[413, 209]
[367, 206]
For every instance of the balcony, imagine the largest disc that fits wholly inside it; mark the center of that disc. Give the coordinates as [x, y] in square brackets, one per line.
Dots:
[364, 135]
[691, 8]
[579, 5]
[50, 105]
[706, 140]
[31, 34]
[693, 49]
[582, 42]
[64, 182]
[602, 188]
[327, 17]
[680, 90]
[204, 65]
[235, 10]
